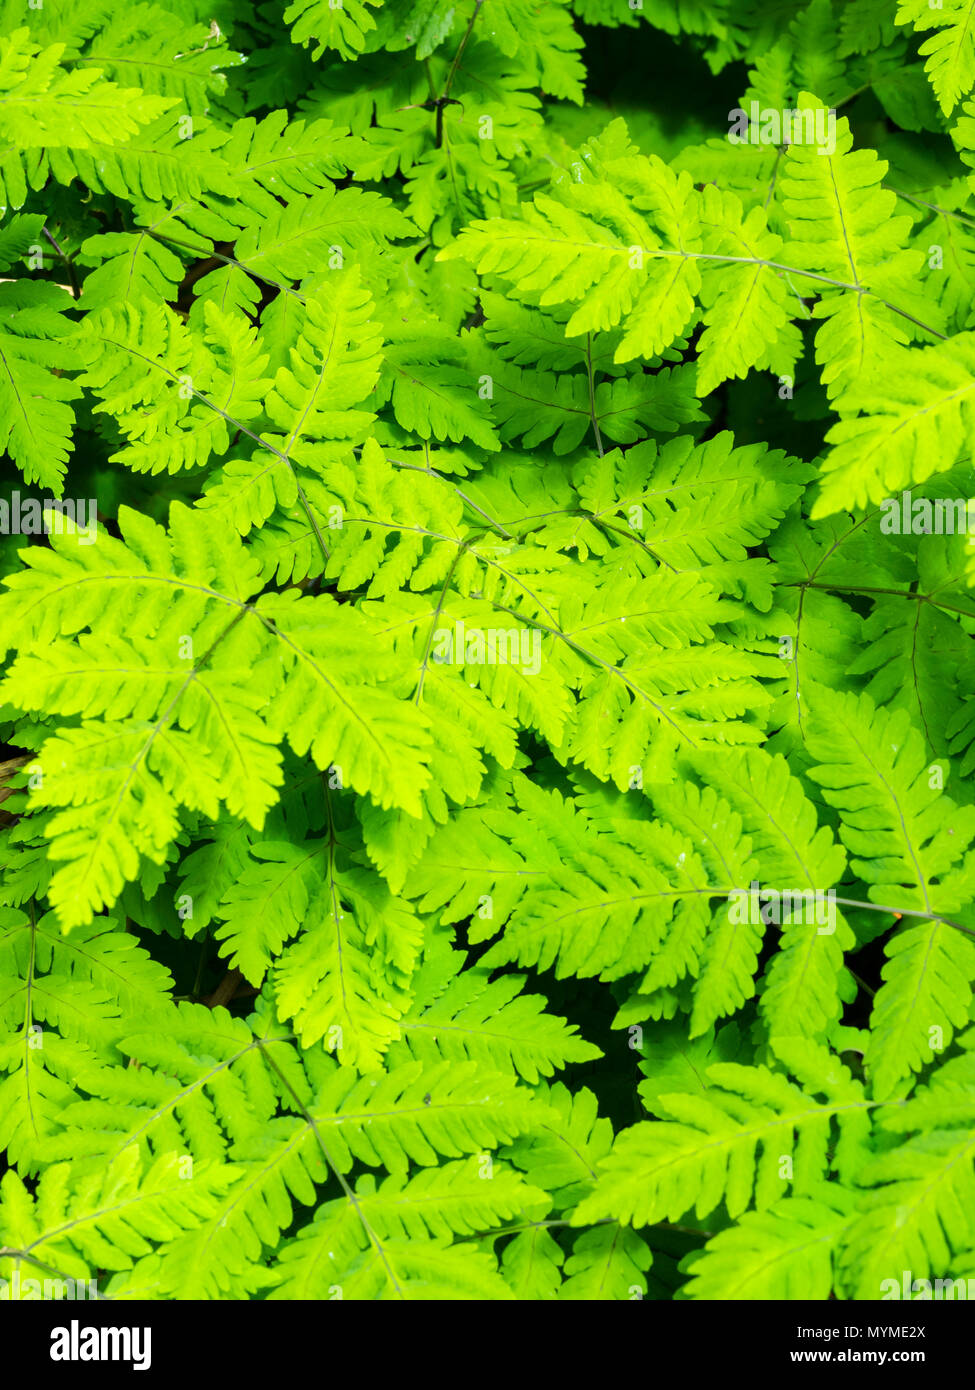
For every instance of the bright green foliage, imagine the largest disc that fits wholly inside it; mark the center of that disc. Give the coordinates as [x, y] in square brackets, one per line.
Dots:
[950, 51]
[485, 802]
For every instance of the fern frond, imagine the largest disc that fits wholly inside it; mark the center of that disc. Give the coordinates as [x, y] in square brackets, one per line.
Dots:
[844, 230]
[906, 421]
[908, 838]
[102, 1218]
[394, 1242]
[806, 980]
[45, 104]
[414, 1115]
[728, 1145]
[155, 50]
[491, 1022]
[118, 783]
[37, 346]
[917, 1214]
[786, 1252]
[343, 27]
[950, 51]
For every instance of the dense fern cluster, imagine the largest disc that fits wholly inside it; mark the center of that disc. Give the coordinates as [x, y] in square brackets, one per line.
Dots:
[487, 688]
